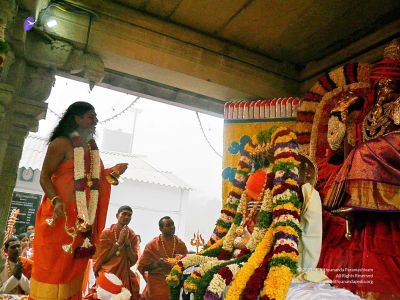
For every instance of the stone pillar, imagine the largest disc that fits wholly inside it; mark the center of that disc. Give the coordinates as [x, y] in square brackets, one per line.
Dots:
[23, 90]
[22, 100]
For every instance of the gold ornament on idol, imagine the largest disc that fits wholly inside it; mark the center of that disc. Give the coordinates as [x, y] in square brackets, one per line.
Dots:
[375, 123]
[165, 251]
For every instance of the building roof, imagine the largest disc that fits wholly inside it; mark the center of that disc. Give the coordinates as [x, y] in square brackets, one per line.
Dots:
[139, 170]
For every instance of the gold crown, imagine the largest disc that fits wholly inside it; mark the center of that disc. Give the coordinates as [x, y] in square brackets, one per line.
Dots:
[392, 51]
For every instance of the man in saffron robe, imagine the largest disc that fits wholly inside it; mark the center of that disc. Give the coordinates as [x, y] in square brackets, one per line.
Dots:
[153, 263]
[118, 251]
[74, 207]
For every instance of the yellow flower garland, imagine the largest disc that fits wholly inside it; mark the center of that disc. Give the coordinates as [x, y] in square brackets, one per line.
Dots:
[241, 278]
[274, 279]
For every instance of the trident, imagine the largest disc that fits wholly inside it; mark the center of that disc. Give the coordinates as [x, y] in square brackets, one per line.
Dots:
[197, 241]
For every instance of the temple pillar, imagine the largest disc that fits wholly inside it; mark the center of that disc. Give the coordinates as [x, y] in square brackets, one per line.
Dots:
[24, 87]
[22, 102]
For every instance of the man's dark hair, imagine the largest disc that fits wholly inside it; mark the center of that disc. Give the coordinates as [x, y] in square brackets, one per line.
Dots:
[21, 236]
[11, 239]
[67, 123]
[124, 207]
[160, 223]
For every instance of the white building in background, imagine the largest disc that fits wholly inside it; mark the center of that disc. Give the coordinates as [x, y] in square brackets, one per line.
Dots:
[116, 141]
[151, 193]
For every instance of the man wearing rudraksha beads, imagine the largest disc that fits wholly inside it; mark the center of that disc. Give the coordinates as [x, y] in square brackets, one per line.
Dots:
[158, 258]
[118, 251]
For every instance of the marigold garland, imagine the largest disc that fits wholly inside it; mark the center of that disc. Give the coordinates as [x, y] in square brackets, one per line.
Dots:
[214, 249]
[174, 277]
[255, 283]
[241, 278]
[275, 245]
[230, 236]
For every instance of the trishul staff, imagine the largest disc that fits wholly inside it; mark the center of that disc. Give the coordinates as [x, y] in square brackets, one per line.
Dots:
[197, 241]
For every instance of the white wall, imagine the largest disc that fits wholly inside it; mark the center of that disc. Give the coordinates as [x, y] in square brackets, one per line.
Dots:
[149, 202]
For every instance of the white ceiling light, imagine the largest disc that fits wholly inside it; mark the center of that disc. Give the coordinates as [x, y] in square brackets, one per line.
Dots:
[51, 23]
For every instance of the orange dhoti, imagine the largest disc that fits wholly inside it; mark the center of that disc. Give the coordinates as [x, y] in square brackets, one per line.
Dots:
[57, 274]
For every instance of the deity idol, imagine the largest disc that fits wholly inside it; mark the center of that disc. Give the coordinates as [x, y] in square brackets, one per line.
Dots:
[266, 242]
[366, 190]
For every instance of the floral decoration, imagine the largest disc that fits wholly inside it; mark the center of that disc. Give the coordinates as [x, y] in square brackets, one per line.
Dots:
[82, 180]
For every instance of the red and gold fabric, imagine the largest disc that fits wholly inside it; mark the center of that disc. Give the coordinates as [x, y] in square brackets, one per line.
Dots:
[370, 176]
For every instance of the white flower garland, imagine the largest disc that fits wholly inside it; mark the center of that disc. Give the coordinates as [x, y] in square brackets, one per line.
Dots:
[195, 259]
[218, 283]
[230, 236]
[86, 212]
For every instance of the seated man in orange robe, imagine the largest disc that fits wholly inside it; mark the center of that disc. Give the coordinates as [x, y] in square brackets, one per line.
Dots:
[74, 208]
[12, 279]
[118, 251]
[153, 263]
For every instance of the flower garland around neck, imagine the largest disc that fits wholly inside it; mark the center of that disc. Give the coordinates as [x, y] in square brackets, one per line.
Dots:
[244, 274]
[83, 180]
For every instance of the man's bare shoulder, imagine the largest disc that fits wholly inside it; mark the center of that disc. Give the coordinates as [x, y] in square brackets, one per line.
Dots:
[60, 147]
[61, 142]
